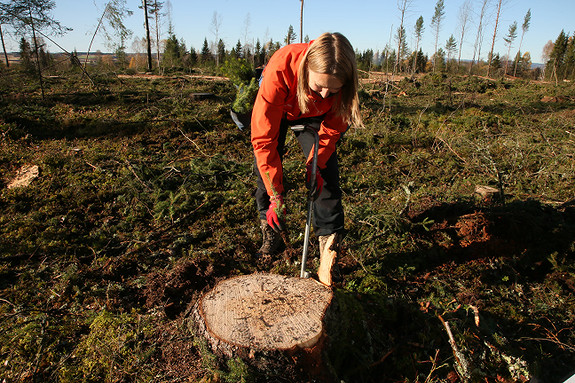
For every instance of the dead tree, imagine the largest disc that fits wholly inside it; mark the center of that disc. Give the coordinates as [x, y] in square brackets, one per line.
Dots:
[490, 58]
[479, 36]
[464, 17]
[524, 29]
[301, 23]
[402, 5]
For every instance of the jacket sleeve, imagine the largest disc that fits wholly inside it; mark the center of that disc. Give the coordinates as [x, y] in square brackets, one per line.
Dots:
[330, 131]
[265, 126]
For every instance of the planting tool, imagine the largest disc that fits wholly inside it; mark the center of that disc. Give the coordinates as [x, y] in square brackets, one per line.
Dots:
[313, 129]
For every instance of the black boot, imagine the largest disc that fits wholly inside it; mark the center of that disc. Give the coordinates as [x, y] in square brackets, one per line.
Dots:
[272, 241]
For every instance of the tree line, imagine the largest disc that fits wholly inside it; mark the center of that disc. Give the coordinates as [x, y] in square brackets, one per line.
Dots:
[31, 19]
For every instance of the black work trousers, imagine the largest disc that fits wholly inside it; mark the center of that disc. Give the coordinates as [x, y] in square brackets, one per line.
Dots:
[328, 216]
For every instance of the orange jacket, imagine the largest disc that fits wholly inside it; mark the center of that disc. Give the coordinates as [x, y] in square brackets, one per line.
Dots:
[277, 100]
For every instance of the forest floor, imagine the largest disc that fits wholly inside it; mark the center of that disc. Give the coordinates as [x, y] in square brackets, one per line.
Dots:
[140, 200]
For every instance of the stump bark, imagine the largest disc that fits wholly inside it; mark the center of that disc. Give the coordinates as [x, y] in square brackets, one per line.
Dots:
[274, 323]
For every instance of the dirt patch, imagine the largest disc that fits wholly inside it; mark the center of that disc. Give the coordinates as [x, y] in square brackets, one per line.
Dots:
[503, 230]
[173, 290]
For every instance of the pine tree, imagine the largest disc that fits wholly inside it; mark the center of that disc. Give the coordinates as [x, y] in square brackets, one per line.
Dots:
[498, 14]
[402, 52]
[26, 62]
[570, 59]
[257, 54]
[172, 52]
[509, 39]
[291, 36]
[155, 11]
[556, 64]
[418, 34]
[193, 57]
[439, 60]
[524, 29]
[146, 8]
[221, 55]
[238, 50]
[402, 5]
[450, 47]
[436, 25]
[206, 55]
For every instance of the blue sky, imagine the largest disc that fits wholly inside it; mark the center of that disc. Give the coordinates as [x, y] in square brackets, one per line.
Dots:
[368, 24]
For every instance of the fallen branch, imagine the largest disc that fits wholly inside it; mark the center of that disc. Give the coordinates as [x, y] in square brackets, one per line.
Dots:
[192, 141]
[557, 342]
[135, 175]
[459, 357]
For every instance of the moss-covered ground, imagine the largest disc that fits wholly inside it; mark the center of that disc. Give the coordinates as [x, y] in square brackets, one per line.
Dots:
[144, 200]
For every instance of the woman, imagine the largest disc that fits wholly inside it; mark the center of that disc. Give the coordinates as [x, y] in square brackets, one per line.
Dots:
[310, 83]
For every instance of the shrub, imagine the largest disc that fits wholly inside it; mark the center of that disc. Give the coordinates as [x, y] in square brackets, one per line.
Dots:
[246, 97]
[239, 71]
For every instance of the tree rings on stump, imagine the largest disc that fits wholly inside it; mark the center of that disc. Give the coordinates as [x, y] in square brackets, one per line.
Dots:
[265, 319]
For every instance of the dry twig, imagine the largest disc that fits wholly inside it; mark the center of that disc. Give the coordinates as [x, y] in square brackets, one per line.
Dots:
[459, 357]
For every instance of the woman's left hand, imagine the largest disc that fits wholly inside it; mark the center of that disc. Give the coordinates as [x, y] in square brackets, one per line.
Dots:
[317, 185]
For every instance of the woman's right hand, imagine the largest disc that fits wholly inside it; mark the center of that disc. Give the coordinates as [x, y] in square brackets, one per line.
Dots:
[276, 213]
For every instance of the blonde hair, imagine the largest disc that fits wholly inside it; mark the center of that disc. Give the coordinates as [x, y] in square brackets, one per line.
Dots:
[332, 53]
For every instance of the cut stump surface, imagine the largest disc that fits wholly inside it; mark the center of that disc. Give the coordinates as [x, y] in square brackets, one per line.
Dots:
[266, 311]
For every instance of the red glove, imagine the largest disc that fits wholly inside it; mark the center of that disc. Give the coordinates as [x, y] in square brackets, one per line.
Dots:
[317, 188]
[276, 213]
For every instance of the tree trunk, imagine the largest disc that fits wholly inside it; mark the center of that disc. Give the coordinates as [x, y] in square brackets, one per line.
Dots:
[490, 58]
[4, 47]
[37, 53]
[157, 33]
[301, 23]
[148, 42]
[274, 323]
[478, 37]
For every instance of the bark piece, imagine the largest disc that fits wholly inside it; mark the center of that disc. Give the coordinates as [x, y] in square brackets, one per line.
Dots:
[25, 176]
[327, 259]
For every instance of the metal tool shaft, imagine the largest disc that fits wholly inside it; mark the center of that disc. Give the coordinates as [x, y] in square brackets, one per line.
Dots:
[303, 273]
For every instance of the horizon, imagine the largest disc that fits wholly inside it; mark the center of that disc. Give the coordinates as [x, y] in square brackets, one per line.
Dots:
[369, 25]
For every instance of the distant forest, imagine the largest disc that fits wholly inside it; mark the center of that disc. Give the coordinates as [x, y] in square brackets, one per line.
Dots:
[30, 22]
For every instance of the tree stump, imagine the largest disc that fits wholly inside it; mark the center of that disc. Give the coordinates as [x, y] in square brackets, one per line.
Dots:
[487, 193]
[274, 323]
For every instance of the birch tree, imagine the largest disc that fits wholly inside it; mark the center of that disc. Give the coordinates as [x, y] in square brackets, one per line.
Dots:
[216, 24]
[524, 29]
[479, 35]
[115, 31]
[464, 18]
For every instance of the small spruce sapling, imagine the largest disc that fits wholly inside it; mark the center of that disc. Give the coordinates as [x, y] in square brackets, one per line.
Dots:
[245, 97]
